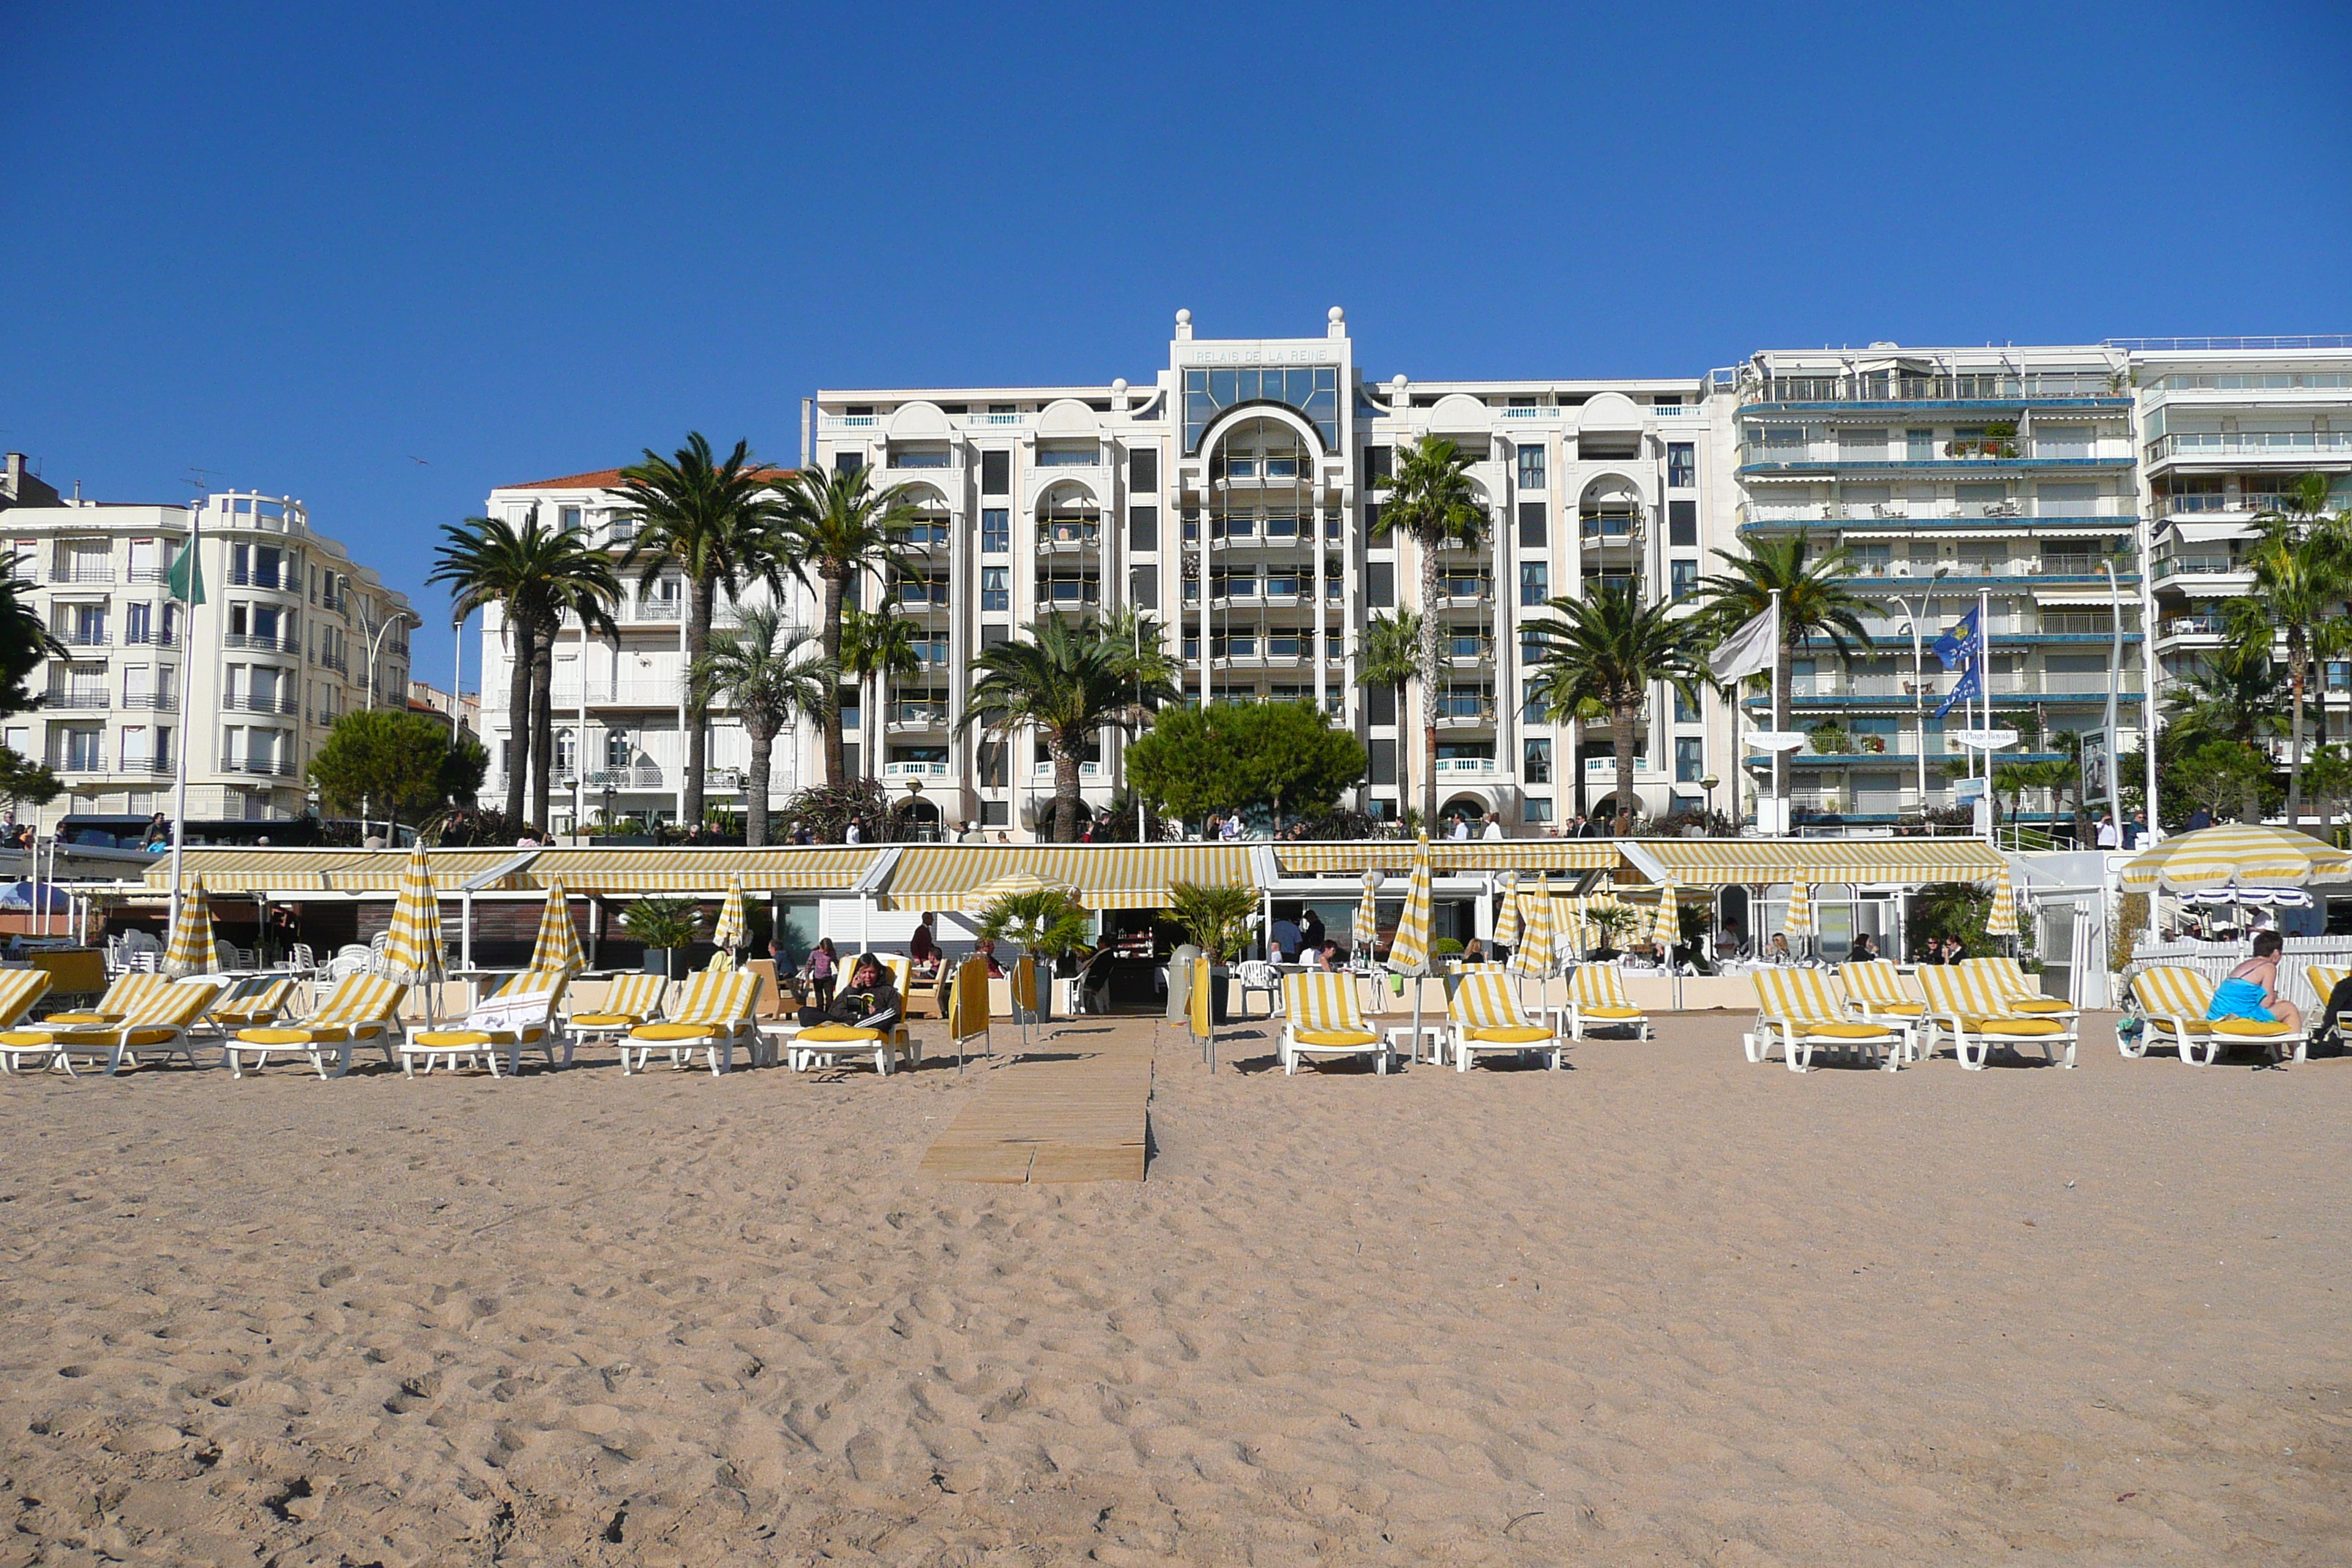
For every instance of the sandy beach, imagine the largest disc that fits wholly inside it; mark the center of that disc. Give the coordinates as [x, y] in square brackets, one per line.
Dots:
[1664, 1307]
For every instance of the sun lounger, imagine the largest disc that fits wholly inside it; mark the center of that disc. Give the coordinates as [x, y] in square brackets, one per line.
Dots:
[1596, 999]
[1483, 1015]
[251, 1004]
[1320, 1017]
[128, 991]
[361, 1007]
[1873, 988]
[1965, 1005]
[2173, 1002]
[19, 989]
[629, 1000]
[161, 1021]
[2325, 981]
[1795, 1006]
[2021, 995]
[716, 1011]
[506, 1023]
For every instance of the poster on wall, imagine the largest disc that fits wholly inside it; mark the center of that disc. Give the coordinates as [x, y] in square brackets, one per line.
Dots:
[2098, 768]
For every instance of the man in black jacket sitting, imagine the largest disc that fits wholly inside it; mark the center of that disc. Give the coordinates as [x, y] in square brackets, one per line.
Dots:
[869, 1001]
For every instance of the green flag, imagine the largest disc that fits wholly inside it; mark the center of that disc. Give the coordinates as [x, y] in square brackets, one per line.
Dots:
[187, 579]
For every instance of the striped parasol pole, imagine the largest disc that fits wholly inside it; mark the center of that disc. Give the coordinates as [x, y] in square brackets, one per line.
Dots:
[190, 951]
[558, 948]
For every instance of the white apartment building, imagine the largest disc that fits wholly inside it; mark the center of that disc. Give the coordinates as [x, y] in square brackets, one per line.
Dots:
[279, 650]
[1231, 494]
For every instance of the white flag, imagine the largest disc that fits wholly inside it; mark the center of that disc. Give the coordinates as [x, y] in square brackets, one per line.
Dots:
[1748, 650]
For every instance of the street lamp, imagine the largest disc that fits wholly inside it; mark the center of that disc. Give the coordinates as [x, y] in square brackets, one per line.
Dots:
[914, 799]
[376, 641]
[1709, 784]
[1919, 670]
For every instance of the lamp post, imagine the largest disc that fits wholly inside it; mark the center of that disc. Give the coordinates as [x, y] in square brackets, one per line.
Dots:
[608, 802]
[1709, 784]
[914, 799]
[376, 642]
[1919, 670]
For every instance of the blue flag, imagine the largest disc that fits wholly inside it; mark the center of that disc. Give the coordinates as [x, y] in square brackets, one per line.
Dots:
[1959, 646]
[1966, 689]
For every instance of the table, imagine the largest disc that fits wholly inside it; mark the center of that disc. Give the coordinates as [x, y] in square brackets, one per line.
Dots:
[1433, 1033]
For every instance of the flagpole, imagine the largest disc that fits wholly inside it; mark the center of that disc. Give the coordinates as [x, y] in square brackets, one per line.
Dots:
[1984, 686]
[187, 664]
[1779, 819]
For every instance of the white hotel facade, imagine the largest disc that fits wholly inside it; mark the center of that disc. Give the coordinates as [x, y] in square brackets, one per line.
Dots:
[1233, 494]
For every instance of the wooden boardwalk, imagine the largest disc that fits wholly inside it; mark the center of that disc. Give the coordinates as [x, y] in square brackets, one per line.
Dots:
[1082, 1115]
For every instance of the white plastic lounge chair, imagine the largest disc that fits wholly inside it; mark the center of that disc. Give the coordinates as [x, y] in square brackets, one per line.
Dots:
[1596, 999]
[1963, 1004]
[160, 1022]
[251, 1004]
[2019, 995]
[629, 1000]
[1321, 1018]
[714, 1014]
[1795, 1006]
[361, 1007]
[2174, 1002]
[1485, 1016]
[505, 1023]
[19, 989]
[1873, 989]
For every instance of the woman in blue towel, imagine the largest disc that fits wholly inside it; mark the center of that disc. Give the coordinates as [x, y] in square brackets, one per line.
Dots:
[2252, 990]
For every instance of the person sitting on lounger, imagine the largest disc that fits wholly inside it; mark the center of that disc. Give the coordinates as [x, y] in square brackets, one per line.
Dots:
[871, 1000]
[2252, 990]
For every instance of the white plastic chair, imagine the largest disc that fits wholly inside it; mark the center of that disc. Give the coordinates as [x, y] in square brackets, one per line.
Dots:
[1256, 974]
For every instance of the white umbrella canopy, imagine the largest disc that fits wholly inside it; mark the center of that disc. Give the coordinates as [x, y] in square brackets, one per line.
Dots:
[2235, 852]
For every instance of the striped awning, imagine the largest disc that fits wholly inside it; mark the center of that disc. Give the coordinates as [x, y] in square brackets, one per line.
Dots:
[1446, 856]
[1719, 862]
[818, 868]
[1106, 875]
[379, 870]
[244, 870]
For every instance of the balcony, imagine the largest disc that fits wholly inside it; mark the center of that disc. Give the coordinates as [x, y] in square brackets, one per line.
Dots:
[2067, 386]
[918, 715]
[1058, 536]
[249, 577]
[2216, 565]
[637, 777]
[1607, 530]
[76, 699]
[656, 610]
[1270, 532]
[2193, 626]
[92, 573]
[247, 702]
[1485, 765]
[82, 636]
[1044, 770]
[2250, 502]
[920, 769]
[264, 766]
[1453, 715]
[163, 701]
[2262, 446]
[1928, 515]
[262, 642]
[148, 636]
[149, 765]
[334, 661]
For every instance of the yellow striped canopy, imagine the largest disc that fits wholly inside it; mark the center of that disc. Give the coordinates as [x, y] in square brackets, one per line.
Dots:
[1012, 885]
[557, 948]
[813, 868]
[1506, 919]
[1409, 953]
[1106, 876]
[1366, 936]
[2001, 919]
[1668, 928]
[190, 951]
[1800, 910]
[1537, 951]
[732, 927]
[1722, 862]
[411, 955]
[2236, 852]
[1449, 857]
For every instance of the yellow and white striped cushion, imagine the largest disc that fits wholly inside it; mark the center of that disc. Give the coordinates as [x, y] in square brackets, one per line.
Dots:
[1877, 984]
[359, 999]
[19, 989]
[1797, 996]
[1598, 986]
[631, 998]
[2167, 991]
[727, 998]
[1484, 1001]
[1315, 1002]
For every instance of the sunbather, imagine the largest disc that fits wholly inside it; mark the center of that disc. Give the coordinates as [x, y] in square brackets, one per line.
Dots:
[871, 1000]
[2252, 989]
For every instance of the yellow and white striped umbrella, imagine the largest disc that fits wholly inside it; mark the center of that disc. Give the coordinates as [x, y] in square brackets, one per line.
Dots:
[1506, 919]
[1800, 910]
[190, 951]
[411, 950]
[2235, 852]
[2001, 919]
[1668, 929]
[1013, 882]
[732, 927]
[558, 948]
[1409, 953]
[1366, 936]
[1539, 951]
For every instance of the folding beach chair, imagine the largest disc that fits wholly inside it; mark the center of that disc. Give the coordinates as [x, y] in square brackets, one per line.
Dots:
[19, 989]
[2019, 994]
[1964, 1005]
[160, 1022]
[714, 1013]
[1483, 1015]
[1321, 1018]
[507, 1022]
[251, 1004]
[128, 990]
[1873, 988]
[2174, 1002]
[361, 1007]
[1596, 999]
[629, 1000]
[1795, 1005]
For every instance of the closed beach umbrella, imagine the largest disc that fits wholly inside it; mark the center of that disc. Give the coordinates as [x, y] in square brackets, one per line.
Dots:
[412, 952]
[190, 951]
[1800, 910]
[1668, 929]
[1409, 952]
[558, 939]
[2235, 852]
[2001, 919]
[1539, 951]
[1366, 936]
[978, 901]
[1506, 919]
[731, 926]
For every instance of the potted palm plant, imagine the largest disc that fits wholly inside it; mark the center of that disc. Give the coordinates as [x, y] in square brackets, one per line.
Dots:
[667, 927]
[1046, 923]
[1216, 916]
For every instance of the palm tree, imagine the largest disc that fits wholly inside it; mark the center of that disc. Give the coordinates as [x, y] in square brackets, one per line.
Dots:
[536, 574]
[1067, 681]
[717, 523]
[838, 525]
[1814, 602]
[1431, 498]
[1143, 642]
[1391, 656]
[1609, 650]
[770, 675]
[875, 645]
[2302, 570]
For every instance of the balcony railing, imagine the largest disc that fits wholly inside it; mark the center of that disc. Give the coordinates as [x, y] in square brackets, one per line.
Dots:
[918, 715]
[334, 661]
[1610, 529]
[2248, 501]
[266, 766]
[2279, 445]
[1967, 388]
[2198, 566]
[249, 577]
[76, 699]
[262, 642]
[162, 701]
[1069, 535]
[247, 702]
[657, 610]
[84, 574]
[1467, 764]
[2193, 626]
[1044, 770]
[149, 765]
[920, 769]
[156, 637]
[635, 777]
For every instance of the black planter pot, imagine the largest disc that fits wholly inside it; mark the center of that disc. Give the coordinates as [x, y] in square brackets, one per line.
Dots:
[657, 961]
[1220, 995]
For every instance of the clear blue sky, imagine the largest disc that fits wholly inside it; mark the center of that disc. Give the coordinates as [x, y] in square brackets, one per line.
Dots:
[303, 247]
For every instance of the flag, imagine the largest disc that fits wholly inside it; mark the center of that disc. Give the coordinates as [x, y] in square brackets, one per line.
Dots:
[1748, 650]
[187, 579]
[1959, 646]
[1968, 688]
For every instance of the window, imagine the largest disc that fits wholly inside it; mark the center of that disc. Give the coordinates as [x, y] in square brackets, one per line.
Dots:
[1682, 465]
[1537, 767]
[1535, 809]
[1682, 525]
[1068, 454]
[1531, 646]
[1920, 445]
[850, 714]
[1682, 578]
[1379, 585]
[1143, 527]
[996, 473]
[618, 751]
[1380, 703]
[1379, 463]
[1143, 470]
[1143, 588]
[1686, 710]
[1690, 760]
[570, 517]
[1862, 446]
[1531, 524]
[138, 623]
[1381, 759]
[1373, 538]
[1531, 468]
[1312, 390]
[848, 462]
[1535, 581]
[995, 588]
[83, 749]
[995, 530]
[995, 636]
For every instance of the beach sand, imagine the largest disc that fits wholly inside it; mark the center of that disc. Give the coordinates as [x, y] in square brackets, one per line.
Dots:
[1666, 1308]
